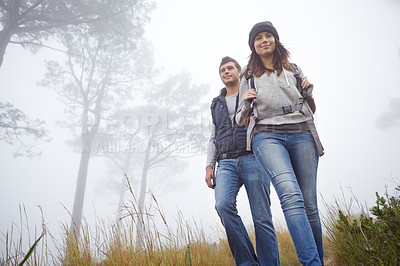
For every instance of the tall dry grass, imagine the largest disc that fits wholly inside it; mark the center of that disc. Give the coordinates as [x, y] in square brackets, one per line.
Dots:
[140, 237]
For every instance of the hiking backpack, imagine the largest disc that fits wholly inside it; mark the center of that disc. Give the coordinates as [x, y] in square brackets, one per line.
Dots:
[306, 107]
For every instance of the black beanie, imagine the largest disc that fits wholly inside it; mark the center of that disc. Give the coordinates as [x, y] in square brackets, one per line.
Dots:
[261, 27]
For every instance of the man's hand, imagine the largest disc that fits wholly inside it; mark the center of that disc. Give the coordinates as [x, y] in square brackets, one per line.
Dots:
[209, 176]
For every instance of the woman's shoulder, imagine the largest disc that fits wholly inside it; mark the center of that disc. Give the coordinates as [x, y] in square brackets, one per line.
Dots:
[296, 69]
[243, 73]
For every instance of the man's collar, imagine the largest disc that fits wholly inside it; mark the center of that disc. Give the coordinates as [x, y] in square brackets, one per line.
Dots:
[223, 92]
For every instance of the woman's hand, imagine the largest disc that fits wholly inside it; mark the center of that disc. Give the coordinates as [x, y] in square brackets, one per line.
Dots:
[250, 94]
[305, 83]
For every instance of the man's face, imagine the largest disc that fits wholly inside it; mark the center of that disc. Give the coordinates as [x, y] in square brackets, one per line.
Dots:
[229, 74]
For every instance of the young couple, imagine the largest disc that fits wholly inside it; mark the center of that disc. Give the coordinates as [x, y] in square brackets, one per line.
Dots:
[283, 149]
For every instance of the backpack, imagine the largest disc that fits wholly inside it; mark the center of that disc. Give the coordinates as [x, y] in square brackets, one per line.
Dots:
[306, 107]
[308, 99]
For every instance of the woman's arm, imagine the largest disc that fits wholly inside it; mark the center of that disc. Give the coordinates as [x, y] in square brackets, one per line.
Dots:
[307, 88]
[245, 98]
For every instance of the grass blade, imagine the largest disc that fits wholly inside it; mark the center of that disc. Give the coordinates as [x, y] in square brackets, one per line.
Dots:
[30, 251]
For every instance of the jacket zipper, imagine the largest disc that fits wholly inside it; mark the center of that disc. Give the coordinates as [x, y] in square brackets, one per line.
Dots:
[234, 123]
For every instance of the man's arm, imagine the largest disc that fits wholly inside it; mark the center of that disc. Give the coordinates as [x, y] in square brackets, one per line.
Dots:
[210, 177]
[211, 159]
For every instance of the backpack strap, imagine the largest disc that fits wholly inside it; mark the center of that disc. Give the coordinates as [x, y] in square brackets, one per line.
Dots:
[252, 120]
[313, 129]
[296, 73]
[309, 99]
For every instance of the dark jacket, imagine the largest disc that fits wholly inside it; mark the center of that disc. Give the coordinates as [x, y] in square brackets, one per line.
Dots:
[230, 138]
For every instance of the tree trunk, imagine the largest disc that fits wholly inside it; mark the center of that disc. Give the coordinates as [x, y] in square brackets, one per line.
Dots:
[87, 142]
[5, 37]
[79, 194]
[9, 28]
[142, 196]
[124, 183]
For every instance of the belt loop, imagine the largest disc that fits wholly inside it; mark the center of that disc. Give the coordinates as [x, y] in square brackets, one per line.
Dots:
[287, 109]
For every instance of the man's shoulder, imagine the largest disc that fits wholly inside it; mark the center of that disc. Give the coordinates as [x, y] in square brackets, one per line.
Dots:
[215, 101]
[219, 96]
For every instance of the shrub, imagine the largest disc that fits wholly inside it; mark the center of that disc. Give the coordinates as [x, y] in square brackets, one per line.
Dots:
[366, 240]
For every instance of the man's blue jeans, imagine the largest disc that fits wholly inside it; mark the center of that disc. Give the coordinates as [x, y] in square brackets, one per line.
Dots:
[231, 175]
[291, 162]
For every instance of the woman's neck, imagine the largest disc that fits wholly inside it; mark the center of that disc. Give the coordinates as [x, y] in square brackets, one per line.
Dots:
[268, 61]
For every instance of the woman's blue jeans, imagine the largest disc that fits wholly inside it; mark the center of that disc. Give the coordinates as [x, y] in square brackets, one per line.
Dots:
[231, 175]
[291, 162]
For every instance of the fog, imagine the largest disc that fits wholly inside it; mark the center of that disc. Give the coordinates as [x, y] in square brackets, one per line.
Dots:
[348, 49]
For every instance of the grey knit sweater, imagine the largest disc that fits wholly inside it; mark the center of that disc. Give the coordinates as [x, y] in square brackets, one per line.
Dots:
[273, 92]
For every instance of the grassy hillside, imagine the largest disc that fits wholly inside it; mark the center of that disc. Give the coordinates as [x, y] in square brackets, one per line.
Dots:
[369, 237]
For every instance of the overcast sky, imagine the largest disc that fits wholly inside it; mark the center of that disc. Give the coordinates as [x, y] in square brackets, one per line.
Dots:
[349, 49]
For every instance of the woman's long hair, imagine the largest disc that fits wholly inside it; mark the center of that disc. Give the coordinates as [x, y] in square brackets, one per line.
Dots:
[280, 61]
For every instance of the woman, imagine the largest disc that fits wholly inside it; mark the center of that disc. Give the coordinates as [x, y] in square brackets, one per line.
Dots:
[283, 141]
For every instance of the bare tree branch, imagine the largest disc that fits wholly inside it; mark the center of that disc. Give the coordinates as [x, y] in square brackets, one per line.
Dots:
[38, 44]
[31, 8]
[4, 5]
[14, 123]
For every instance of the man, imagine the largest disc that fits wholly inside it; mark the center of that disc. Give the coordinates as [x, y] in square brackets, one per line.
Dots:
[237, 167]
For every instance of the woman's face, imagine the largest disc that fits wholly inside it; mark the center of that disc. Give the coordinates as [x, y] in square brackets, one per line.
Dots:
[264, 44]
